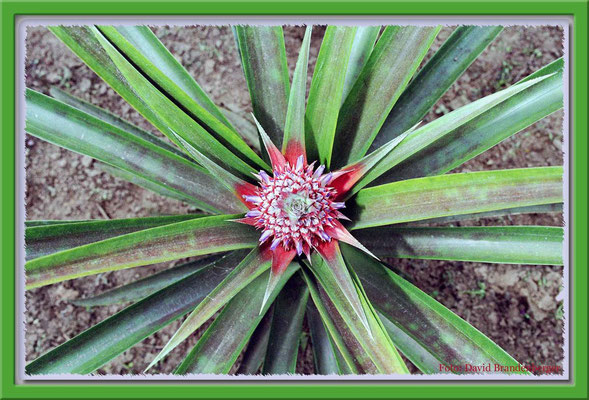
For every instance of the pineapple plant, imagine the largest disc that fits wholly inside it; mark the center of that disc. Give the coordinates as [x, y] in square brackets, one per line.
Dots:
[297, 222]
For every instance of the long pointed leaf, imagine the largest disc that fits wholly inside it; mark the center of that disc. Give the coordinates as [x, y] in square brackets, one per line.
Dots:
[537, 245]
[456, 137]
[323, 349]
[100, 55]
[112, 119]
[325, 94]
[148, 184]
[44, 240]
[77, 131]
[437, 76]
[352, 356]
[362, 46]
[334, 278]
[221, 344]
[254, 354]
[263, 58]
[293, 143]
[537, 209]
[438, 330]
[170, 242]
[287, 324]
[391, 65]
[256, 262]
[101, 343]
[151, 57]
[455, 194]
[142, 288]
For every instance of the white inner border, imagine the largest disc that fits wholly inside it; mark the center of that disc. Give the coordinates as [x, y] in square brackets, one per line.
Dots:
[22, 22]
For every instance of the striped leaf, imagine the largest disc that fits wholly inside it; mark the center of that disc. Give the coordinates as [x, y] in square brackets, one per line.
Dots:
[70, 128]
[48, 239]
[165, 243]
[223, 341]
[537, 245]
[263, 58]
[104, 341]
[427, 325]
[456, 194]
[391, 65]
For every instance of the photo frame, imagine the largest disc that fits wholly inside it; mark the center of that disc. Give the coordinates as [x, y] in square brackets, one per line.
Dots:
[575, 386]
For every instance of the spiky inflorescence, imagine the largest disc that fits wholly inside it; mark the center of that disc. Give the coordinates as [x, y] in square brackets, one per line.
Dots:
[295, 207]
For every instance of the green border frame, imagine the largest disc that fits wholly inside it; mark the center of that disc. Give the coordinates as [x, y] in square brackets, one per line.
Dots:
[419, 389]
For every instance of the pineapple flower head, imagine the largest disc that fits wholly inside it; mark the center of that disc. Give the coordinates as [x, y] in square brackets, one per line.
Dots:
[297, 208]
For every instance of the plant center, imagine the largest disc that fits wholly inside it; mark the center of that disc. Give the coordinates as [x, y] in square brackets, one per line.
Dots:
[294, 208]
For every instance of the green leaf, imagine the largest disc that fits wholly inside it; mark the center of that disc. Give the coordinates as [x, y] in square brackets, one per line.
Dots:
[455, 194]
[294, 128]
[149, 185]
[112, 119]
[362, 46]
[536, 245]
[159, 63]
[287, 324]
[324, 350]
[430, 325]
[48, 239]
[104, 341]
[65, 126]
[537, 209]
[455, 138]
[348, 298]
[325, 94]
[263, 58]
[412, 349]
[391, 65]
[256, 262]
[352, 355]
[218, 348]
[100, 55]
[165, 243]
[245, 127]
[150, 56]
[254, 354]
[555, 66]
[144, 287]
[437, 76]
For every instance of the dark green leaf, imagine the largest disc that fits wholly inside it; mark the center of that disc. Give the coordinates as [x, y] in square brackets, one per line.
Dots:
[437, 76]
[101, 343]
[537, 245]
[256, 262]
[391, 65]
[455, 138]
[429, 324]
[223, 341]
[150, 56]
[287, 324]
[454, 194]
[348, 298]
[362, 46]
[263, 58]
[112, 119]
[100, 55]
[254, 354]
[48, 239]
[323, 349]
[165, 243]
[65, 126]
[144, 287]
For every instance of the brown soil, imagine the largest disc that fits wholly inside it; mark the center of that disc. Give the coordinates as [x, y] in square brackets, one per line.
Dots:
[518, 309]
